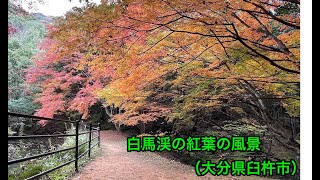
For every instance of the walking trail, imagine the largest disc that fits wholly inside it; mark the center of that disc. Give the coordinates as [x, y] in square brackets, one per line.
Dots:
[115, 163]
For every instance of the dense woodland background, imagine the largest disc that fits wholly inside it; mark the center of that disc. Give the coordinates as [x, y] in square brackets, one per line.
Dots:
[221, 68]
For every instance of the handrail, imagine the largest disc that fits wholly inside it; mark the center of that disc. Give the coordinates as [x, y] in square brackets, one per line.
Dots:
[84, 143]
[39, 118]
[38, 136]
[37, 156]
[76, 147]
[50, 170]
[86, 132]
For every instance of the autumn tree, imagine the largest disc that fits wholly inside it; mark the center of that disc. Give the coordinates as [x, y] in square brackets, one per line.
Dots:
[226, 55]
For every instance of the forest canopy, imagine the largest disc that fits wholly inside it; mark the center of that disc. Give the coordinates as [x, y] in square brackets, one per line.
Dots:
[166, 58]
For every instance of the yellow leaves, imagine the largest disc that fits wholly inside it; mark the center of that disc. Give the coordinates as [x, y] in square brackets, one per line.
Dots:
[296, 52]
[206, 72]
[96, 61]
[291, 38]
[276, 89]
[292, 106]
[237, 109]
[157, 36]
[112, 96]
[207, 104]
[179, 80]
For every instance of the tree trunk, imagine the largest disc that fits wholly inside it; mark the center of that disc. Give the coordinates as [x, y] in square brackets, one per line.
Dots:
[195, 126]
[117, 125]
[142, 127]
[257, 96]
[111, 111]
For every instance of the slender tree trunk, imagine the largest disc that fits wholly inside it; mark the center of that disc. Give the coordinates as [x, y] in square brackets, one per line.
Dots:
[142, 127]
[257, 96]
[21, 128]
[292, 129]
[195, 126]
[111, 111]
[117, 125]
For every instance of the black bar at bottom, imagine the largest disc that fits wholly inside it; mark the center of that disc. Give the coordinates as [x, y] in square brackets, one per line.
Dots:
[94, 145]
[87, 150]
[83, 143]
[83, 153]
[50, 170]
[37, 156]
[86, 132]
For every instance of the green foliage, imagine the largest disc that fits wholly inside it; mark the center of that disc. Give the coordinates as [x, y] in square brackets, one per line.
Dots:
[243, 129]
[22, 105]
[30, 170]
[288, 8]
[292, 107]
[22, 45]
[196, 100]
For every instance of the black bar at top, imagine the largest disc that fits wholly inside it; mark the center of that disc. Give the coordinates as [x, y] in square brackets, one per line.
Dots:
[38, 136]
[86, 132]
[94, 145]
[38, 117]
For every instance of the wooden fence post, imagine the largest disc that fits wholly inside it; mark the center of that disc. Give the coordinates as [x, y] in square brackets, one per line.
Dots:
[99, 134]
[77, 146]
[90, 127]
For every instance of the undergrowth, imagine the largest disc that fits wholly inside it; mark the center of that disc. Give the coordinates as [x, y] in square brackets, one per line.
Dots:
[30, 168]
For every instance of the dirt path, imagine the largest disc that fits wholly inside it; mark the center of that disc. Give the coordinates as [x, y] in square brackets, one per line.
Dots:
[115, 163]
